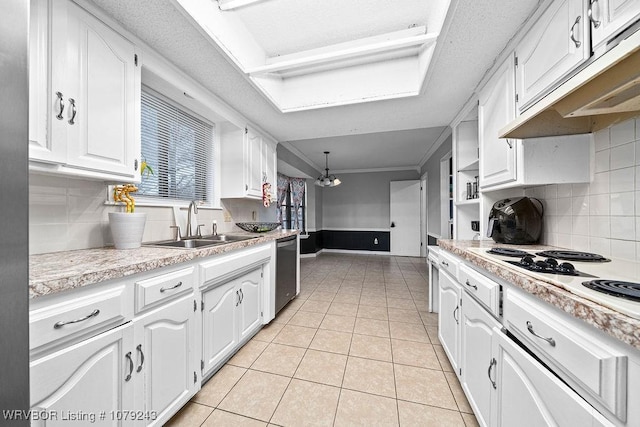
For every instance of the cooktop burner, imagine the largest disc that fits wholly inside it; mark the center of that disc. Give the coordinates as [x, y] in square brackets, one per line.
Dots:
[627, 290]
[548, 266]
[508, 252]
[574, 256]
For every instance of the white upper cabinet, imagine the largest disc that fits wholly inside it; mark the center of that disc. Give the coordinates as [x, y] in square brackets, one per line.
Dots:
[248, 160]
[555, 45]
[497, 108]
[85, 113]
[609, 17]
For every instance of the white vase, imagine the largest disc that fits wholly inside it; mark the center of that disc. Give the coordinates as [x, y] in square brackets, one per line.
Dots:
[127, 229]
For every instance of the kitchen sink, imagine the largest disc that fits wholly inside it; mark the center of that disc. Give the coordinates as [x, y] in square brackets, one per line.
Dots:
[203, 242]
[228, 238]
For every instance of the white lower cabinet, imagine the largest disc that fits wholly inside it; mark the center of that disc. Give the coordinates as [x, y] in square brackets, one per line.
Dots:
[81, 382]
[477, 330]
[231, 313]
[526, 394]
[449, 318]
[166, 359]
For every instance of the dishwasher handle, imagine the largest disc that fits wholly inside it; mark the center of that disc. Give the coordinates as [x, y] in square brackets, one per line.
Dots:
[285, 243]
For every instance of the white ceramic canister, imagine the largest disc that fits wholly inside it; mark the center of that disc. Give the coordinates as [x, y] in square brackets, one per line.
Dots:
[127, 229]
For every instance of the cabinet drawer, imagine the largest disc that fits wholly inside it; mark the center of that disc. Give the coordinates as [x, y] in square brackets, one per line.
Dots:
[82, 314]
[586, 361]
[158, 289]
[449, 263]
[481, 287]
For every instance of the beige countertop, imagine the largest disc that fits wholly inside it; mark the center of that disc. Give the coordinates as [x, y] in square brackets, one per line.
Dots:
[615, 324]
[60, 271]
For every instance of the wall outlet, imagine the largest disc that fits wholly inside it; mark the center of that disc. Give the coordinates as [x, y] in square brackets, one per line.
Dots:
[375, 240]
[227, 216]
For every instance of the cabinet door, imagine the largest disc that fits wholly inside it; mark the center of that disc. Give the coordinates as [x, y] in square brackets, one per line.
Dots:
[219, 324]
[609, 17]
[475, 356]
[495, 110]
[88, 378]
[250, 308]
[165, 358]
[555, 45]
[254, 164]
[528, 395]
[102, 134]
[449, 318]
[270, 166]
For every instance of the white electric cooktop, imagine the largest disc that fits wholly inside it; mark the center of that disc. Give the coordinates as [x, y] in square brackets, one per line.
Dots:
[613, 269]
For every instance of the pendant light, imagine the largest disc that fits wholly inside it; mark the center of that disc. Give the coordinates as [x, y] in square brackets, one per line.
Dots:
[327, 180]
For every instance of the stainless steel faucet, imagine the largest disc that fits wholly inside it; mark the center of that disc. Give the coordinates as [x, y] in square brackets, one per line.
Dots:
[193, 205]
[215, 228]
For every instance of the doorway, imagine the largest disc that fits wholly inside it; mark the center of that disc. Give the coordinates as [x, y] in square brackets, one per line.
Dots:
[405, 217]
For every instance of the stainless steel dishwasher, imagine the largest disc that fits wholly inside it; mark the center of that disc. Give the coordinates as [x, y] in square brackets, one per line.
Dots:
[286, 271]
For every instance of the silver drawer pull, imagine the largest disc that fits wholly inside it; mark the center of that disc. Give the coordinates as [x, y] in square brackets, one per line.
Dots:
[139, 348]
[595, 22]
[60, 324]
[454, 314]
[470, 285]
[172, 287]
[492, 363]
[59, 116]
[72, 102]
[551, 341]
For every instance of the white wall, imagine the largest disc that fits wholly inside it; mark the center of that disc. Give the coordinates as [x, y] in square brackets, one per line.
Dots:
[69, 214]
[603, 216]
[432, 168]
[361, 202]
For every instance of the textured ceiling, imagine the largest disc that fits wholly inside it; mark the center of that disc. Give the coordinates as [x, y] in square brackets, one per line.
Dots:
[478, 31]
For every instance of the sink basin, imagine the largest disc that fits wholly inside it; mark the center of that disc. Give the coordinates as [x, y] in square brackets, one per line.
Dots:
[228, 238]
[203, 242]
[187, 244]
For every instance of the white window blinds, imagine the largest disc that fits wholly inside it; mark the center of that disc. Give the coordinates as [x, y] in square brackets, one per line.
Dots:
[177, 145]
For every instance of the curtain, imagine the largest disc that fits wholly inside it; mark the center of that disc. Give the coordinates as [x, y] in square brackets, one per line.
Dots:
[297, 197]
[283, 185]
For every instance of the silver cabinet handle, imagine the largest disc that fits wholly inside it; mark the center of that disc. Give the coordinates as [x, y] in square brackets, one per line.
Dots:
[60, 105]
[509, 143]
[139, 348]
[177, 285]
[470, 285]
[128, 356]
[73, 111]
[238, 300]
[60, 324]
[596, 24]
[578, 43]
[551, 341]
[492, 363]
[454, 314]
[446, 264]
[241, 296]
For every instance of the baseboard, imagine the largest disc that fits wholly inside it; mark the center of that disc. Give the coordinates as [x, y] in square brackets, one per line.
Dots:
[357, 252]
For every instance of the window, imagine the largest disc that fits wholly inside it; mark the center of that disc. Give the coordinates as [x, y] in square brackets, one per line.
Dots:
[292, 202]
[177, 144]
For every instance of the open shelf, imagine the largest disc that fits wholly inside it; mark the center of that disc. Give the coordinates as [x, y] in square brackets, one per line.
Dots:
[473, 166]
[468, 202]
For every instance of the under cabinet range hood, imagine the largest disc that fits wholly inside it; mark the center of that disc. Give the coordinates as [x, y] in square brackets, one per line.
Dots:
[603, 92]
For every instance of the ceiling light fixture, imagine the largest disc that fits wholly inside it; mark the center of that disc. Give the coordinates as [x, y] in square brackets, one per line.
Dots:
[327, 180]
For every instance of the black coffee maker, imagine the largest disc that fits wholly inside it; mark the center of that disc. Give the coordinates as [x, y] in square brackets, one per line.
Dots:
[516, 221]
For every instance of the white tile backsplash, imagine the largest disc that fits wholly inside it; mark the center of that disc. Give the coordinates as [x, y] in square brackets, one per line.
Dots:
[68, 214]
[603, 216]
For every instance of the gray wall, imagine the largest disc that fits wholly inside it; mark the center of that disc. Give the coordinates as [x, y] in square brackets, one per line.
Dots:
[361, 201]
[14, 227]
[432, 168]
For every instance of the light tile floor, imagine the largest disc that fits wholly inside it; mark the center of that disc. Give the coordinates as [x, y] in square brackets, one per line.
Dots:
[356, 347]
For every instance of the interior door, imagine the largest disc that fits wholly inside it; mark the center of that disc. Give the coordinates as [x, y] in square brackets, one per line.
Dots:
[405, 217]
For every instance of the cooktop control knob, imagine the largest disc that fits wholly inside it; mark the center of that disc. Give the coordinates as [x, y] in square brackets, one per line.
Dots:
[568, 267]
[526, 260]
[542, 264]
[552, 262]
